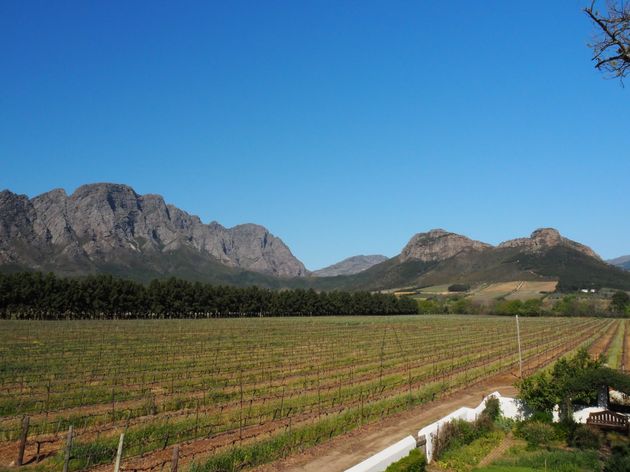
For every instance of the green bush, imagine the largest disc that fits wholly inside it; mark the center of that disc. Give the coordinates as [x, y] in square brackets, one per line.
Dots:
[542, 417]
[458, 288]
[492, 409]
[414, 462]
[583, 437]
[619, 461]
[458, 433]
[537, 434]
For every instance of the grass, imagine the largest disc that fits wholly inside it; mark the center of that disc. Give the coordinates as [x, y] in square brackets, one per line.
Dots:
[531, 289]
[519, 459]
[462, 459]
[616, 348]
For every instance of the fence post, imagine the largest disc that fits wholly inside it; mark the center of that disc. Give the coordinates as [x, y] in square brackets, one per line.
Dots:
[119, 452]
[175, 458]
[68, 449]
[23, 436]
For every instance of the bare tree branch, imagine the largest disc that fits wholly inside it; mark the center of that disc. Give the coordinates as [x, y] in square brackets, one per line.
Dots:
[611, 46]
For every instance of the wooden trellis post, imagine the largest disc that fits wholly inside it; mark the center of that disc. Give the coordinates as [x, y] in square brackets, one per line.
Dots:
[23, 436]
[175, 458]
[66, 461]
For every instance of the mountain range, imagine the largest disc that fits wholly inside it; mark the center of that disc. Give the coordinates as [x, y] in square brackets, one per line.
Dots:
[623, 262]
[109, 228]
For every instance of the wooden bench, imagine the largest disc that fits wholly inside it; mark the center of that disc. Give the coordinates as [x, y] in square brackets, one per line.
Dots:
[609, 420]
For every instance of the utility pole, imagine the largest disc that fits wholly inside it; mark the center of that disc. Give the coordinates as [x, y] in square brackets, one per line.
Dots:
[520, 356]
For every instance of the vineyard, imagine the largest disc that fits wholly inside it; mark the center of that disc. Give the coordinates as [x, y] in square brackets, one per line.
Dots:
[228, 394]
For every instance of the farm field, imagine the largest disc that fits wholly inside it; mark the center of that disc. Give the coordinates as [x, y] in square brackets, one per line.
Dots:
[235, 393]
[517, 290]
[485, 293]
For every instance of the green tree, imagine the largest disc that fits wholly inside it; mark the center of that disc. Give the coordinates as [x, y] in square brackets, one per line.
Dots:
[620, 301]
[557, 387]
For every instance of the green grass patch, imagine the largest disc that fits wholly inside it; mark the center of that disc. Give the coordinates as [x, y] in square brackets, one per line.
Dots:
[462, 459]
[414, 462]
[616, 348]
[558, 460]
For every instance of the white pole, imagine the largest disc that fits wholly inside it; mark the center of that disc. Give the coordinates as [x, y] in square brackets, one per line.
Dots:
[520, 356]
[119, 452]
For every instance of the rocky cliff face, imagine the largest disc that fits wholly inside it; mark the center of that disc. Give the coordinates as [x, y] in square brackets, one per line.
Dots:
[349, 266]
[438, 245]
[100, 222]
[546, 238]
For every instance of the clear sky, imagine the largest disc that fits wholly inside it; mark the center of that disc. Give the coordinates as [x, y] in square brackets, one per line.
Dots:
[344, 127]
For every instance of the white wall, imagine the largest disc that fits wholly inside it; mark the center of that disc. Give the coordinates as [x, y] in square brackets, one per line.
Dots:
[379, 462]
[580, 416]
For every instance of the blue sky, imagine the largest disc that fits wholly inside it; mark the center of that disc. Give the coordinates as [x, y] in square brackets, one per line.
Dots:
[344, 127]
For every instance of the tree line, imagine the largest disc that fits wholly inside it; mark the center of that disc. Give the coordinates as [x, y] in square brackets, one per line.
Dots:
[33, 295]
[567, 305]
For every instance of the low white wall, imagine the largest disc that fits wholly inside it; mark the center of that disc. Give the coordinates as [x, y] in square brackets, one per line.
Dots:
[580, 416]
[379, 462]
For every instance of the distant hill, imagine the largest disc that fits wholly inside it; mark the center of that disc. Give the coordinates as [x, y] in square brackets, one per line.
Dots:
[623, 262]
[439, 257]
[350, 266]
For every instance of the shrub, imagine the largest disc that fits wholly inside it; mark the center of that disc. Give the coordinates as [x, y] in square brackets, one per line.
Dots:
[414, 462]
[459, 433]
[453, 434]
[584, 437]
[619, 461]
[492, 409]
[542, 417]
[458, 288]
[617, 464]
[537, 434]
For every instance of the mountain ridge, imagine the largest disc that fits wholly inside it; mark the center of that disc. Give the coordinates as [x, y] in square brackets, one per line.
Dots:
[109, 228]
[430, 259]
[104, 223]
[622, 262]
[350, 265]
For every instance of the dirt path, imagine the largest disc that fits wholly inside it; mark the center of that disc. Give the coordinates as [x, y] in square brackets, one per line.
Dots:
[601, 345]
[498, 451]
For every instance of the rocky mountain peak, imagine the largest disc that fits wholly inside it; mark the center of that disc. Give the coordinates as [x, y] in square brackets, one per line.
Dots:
[543, 239]
[104, 223]
[438, 245]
